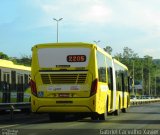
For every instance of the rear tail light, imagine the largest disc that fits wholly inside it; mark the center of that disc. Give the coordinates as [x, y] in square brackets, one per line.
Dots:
[94, 87]
[33, 87]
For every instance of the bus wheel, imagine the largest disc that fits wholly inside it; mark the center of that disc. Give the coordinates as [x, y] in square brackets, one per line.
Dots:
[124, 110]
[104, 115]
[117, 112]
[94, 116]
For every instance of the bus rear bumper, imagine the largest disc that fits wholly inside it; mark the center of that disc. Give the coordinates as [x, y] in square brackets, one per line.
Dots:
[63, 104]
[67, 109]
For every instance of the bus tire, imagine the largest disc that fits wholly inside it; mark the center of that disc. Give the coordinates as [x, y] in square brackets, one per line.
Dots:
[124, 110]
[104, 115]
[94, 116]
[117, 112]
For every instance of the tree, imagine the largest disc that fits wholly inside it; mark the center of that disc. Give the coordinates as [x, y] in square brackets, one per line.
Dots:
[108, 49]
[3, 56]
[118, 56]
[24, 60]
[129, 53]
[127, 57]
[150, 70]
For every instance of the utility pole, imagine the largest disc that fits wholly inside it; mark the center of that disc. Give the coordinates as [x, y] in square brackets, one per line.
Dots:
[149, 83]
[155, 91]
[142, 81]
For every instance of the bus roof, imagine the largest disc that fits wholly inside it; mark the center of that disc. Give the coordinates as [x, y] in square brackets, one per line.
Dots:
[119, 63]
[104, 52]
[63, 44]
[10, 64]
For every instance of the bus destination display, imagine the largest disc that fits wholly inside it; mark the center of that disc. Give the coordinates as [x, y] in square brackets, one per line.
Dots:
[76, 58]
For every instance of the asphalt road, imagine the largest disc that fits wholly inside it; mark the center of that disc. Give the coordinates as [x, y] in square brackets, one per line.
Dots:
[143, 119]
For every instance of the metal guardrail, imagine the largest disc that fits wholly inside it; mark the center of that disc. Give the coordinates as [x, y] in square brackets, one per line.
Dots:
[19, 105]
[143, 101]
[27, 105]
[14, 106]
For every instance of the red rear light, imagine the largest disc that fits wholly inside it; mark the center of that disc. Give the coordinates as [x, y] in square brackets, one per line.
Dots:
[94, 87]
[33, 87]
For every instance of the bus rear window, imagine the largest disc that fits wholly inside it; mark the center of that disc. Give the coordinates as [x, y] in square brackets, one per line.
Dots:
[68, 57]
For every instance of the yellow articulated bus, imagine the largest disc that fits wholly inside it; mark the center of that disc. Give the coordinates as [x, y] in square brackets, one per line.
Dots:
[77, 78]
[14, 85]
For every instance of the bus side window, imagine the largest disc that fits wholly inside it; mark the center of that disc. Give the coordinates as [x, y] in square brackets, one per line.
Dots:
[110, 78]
[13, 80]
[101, 67]
[126, 80]
[122, 79]
[109, 73]
[20, 89]
[26, 78]
[6, 78]
[118, 80]
[6, 87]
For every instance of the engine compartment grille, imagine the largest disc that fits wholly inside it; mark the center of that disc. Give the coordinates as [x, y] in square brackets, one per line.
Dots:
[74, 78]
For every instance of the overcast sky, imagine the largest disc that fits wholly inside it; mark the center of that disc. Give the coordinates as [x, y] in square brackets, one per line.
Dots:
[116, 23]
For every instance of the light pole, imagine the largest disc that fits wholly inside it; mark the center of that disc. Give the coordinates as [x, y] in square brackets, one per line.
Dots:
[96, 42]
[57, 20]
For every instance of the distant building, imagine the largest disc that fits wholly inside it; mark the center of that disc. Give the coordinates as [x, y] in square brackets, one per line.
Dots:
[138, 87]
